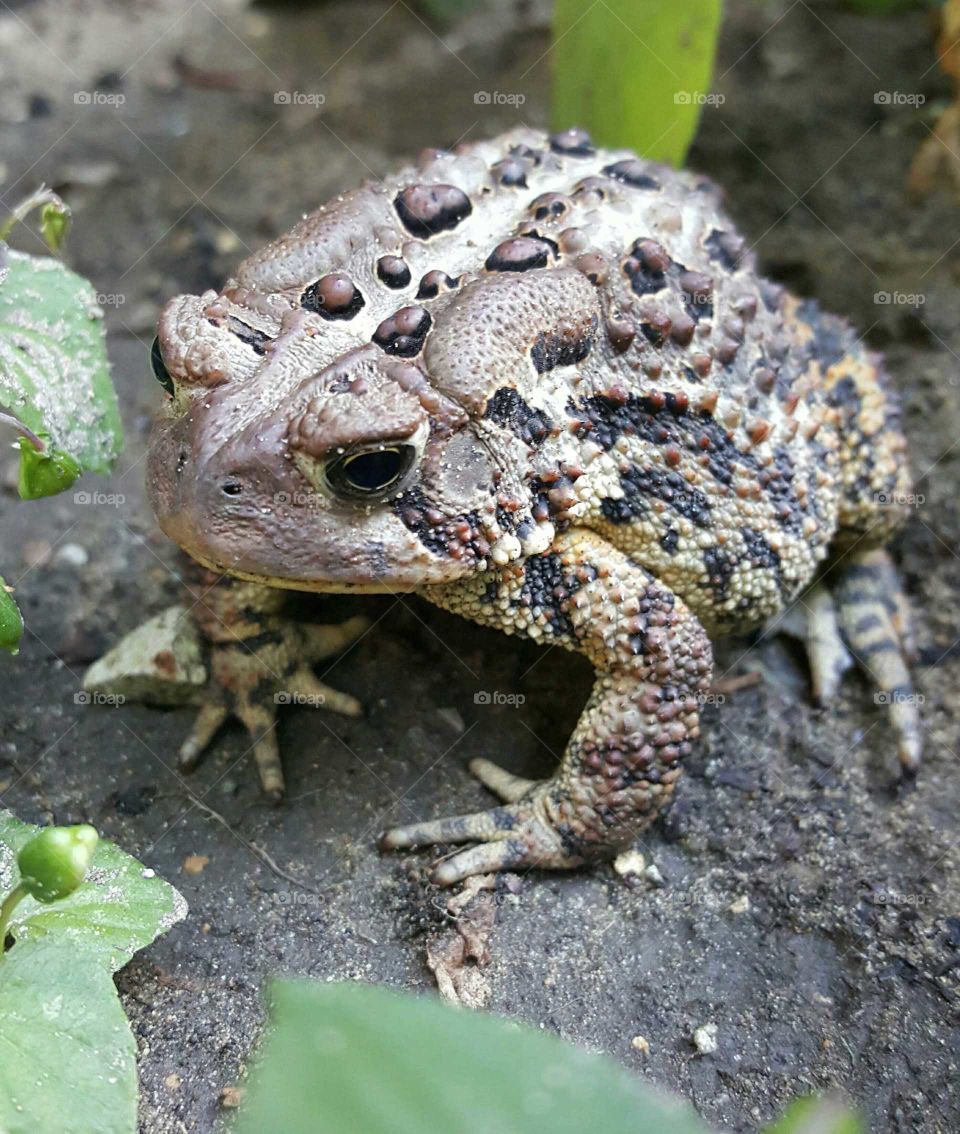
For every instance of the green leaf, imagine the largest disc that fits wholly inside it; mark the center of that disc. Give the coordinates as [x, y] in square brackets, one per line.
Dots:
[817, 1116]
[53, 364]
[44, 473]
[355, 1057]
[67, 1055]
[11, 622]
[119, 908]
[635, 73]
[54, 224]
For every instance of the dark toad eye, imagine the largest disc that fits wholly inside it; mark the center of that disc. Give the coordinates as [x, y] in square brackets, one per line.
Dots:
[231, 487]
[367, 474]
[160, 368]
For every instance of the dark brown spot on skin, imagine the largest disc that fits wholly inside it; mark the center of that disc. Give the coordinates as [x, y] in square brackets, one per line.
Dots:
[519, 254]
[511, 173]
[594, 267]
[764, 379]
[425, 210]
[572, 143]
[404, 333]
[549, 205]
[334, 296]
[632, 172]
[621, 333]
[656, 327]
[592, 185]
[682, 330]
[393, 271]
[565, 345]
[434, 282]
[698, 294]
[726, 248]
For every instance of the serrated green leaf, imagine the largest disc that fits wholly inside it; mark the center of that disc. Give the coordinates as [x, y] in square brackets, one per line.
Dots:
[54, 224]
[817, 1116]
[67, 1055]
[11, 621]
[45, 473]
[635, 73]
[119, 908]
[53, 364]
[352, 1057]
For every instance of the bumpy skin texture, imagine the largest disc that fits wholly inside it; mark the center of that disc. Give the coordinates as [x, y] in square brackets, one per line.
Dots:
[542, 385]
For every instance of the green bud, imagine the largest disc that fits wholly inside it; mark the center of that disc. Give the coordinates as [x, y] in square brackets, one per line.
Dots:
[54, 223]
[11, 623]
[44, 473]
[55, 861]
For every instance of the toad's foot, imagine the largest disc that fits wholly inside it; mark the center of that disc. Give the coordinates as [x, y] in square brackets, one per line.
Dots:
[523, 833]
[862, 611]
[653, 661]
[259, 661]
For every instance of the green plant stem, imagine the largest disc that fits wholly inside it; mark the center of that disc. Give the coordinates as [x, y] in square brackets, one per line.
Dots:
[9, 419]
[39, 197]
[10, 902]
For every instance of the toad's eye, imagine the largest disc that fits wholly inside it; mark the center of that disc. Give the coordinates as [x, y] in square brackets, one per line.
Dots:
[368, 474]
[160, 368]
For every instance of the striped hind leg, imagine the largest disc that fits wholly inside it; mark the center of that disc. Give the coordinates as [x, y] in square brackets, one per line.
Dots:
[873, 614]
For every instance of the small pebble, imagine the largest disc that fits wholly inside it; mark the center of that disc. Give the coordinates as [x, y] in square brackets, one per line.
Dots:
[630, 862]
[705, 1039]
[72, 554]
[740, 905]
[639, 1043]
[653, 875]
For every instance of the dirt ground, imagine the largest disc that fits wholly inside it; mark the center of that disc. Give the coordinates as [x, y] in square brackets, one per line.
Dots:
[799, 904]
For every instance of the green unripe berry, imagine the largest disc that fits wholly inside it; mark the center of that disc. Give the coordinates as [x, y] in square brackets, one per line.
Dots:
[55, 861]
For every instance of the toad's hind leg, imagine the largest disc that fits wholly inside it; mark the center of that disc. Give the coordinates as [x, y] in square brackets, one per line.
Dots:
[872, 609]
[653, 661]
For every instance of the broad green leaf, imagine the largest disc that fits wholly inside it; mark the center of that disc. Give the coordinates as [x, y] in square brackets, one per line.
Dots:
[67, 1055]
[817, 1116]
[635, 73]
[353, 1057]
[11, 622]
[44, 473]
[53, 364]
[120, 907]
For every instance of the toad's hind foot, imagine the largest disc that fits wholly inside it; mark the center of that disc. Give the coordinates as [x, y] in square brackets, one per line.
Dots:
[875, 620]
[865, 613]
[520, 834]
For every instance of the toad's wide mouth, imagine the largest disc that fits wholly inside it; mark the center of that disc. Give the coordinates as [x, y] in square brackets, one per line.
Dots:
[320, 586]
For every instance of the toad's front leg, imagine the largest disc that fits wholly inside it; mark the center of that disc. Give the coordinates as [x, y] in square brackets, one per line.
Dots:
[259, 659]
[652, 659]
